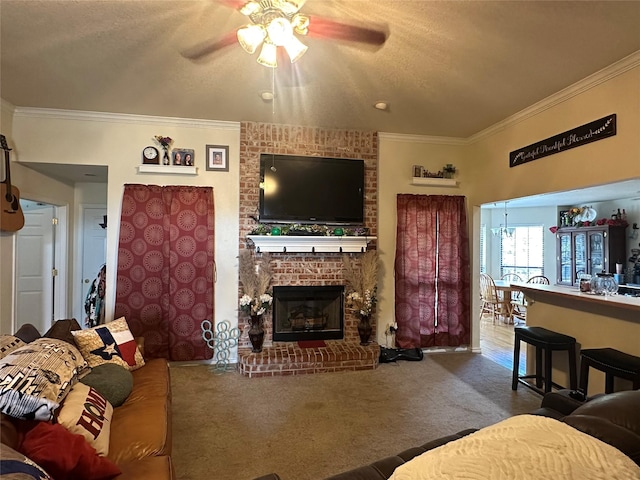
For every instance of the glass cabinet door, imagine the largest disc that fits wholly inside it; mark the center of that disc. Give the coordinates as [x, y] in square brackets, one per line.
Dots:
[580, 252]
[564, 273]
[596, 252]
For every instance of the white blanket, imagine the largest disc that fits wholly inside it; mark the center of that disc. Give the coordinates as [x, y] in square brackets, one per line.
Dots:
[524, 447]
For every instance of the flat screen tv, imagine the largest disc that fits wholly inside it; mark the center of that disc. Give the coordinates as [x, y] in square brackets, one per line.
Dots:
[298, 189]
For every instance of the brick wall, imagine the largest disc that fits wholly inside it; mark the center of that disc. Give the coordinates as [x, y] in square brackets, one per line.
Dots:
[304, 268]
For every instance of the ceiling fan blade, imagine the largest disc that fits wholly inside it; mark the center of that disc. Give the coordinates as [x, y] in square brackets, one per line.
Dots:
[325, 28]
[208, 47]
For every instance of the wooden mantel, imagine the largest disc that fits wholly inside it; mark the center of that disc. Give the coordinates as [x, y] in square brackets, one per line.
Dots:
[310, 244]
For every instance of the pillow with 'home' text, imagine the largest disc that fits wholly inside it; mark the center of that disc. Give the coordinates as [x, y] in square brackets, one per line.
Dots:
[109, 343]
[85, 412]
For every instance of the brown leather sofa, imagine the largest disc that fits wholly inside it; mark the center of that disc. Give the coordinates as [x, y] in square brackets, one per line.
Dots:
[140, 439]
[612, 418]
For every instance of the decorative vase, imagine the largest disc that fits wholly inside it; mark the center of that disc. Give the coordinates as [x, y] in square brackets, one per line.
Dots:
[364, 329]
[256, 333]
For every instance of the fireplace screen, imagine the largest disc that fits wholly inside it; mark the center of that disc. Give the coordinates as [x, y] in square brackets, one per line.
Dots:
[308, 313]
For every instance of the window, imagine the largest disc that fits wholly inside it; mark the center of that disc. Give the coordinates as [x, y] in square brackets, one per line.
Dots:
[483, 248]
[523, 252]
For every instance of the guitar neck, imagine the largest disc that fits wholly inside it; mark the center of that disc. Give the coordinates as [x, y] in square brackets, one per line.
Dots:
[7, 165]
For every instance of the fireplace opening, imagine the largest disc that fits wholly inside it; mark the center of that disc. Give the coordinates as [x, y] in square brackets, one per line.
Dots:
[308, 313]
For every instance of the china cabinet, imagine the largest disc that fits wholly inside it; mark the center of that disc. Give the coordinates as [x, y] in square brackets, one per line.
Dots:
[588, 250]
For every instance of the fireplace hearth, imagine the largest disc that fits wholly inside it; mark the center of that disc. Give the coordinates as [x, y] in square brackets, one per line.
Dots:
[308, 313]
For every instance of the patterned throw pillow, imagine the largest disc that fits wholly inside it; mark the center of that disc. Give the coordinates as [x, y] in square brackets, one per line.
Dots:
[9, 343]
[85, 412]
[35, 378]
[109, 343]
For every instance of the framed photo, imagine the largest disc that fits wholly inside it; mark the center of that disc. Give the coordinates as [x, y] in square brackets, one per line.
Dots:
[218, 158]
[182, 157]
[417, 170]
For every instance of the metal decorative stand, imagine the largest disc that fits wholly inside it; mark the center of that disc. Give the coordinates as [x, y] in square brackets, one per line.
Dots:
[220, 342]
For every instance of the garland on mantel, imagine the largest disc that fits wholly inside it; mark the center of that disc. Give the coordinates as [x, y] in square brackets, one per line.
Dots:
[309, 230]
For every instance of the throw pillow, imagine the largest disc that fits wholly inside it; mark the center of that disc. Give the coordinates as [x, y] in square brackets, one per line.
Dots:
[62, 329]
[66, 455]
[28, 333]
[9, 343]
[16, 466]
[112, 381]
[35, 378]
[87, 413]
[109, 343]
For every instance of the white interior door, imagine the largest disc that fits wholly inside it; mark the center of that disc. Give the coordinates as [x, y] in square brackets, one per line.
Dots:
[34, 268]
[94, 251]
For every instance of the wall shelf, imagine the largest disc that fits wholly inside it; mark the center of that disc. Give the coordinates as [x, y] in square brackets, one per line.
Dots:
[168, 169]
[435, 182]
[309, 244]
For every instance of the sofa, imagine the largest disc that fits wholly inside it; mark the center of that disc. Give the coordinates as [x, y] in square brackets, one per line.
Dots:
[139, 441]
[613, 419]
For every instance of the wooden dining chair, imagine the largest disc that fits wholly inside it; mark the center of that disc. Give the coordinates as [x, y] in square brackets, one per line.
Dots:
[519, 305]
[492, 303]
[511, 277]
[539, 279]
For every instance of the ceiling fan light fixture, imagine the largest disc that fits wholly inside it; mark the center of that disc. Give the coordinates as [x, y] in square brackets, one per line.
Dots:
[250, 37]
[250, 8]
[280, 31]
[300, 24]
[268, 55]
[295, 49]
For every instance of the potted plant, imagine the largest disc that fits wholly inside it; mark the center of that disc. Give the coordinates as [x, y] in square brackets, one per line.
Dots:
[448, 171]
[362, 290]
[255, 278]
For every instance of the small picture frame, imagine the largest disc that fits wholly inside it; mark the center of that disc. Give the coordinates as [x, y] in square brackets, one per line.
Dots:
[417, 170]
[218, 158]
[183, 157]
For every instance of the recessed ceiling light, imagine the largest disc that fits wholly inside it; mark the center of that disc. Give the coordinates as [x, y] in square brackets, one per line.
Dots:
[267, 96]
[381, 105]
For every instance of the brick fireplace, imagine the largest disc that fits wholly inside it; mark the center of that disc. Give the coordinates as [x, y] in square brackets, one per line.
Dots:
[304, 269]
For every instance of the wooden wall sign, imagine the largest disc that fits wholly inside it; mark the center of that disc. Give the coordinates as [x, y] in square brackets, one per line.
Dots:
[590, 132]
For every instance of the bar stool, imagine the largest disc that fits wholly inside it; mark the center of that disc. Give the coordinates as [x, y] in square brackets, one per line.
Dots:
[549, 341]
[613, 363]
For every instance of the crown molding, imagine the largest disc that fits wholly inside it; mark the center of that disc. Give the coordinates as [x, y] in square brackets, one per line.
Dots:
[80, 115]
[627, 63]
[407, 138]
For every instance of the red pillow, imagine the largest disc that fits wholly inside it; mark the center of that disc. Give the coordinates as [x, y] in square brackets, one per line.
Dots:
[65, 455]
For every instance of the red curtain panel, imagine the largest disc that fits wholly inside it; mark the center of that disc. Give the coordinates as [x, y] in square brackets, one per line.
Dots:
[432, 272]
[166, 268]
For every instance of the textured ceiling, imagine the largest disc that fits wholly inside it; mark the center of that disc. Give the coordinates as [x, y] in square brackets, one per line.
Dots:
[448, 68]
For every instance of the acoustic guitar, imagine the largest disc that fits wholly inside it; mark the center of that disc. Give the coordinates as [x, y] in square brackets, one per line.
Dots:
[11, 216]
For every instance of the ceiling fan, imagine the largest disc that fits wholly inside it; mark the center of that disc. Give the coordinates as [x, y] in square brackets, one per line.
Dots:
[278, 23]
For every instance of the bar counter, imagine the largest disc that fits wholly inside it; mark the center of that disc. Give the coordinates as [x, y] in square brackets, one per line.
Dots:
[595, 321]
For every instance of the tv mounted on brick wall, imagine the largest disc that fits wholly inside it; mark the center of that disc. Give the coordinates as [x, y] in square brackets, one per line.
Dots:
[299, 189]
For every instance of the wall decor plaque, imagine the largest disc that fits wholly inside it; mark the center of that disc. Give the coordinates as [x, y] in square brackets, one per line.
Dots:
[590, 132]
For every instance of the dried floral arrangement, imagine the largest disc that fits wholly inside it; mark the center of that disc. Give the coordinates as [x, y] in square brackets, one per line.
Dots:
[362, 282]
[255, 277]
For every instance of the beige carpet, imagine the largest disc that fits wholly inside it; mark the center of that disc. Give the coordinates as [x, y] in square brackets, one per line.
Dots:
[308, 427]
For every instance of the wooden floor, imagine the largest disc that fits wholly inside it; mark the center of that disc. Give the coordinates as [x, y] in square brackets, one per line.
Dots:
[496, 343]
